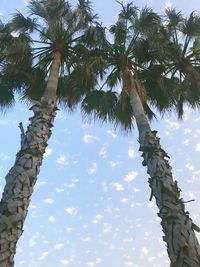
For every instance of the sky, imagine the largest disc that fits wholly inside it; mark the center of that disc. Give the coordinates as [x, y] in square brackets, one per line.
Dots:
[90, 206]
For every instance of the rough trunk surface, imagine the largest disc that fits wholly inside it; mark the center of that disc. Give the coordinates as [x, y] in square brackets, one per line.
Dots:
[182, 245]
[179, 230]
[21, 179]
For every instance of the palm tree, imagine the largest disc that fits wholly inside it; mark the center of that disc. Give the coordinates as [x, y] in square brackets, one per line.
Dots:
[49, 69]
[126, 56]
[176, 46]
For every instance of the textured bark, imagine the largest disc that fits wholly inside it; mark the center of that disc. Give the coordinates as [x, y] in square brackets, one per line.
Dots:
[182, 245]
[52, 84]
[22, 176]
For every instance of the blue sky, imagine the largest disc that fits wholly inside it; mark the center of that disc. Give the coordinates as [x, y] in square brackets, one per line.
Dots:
[91, 203]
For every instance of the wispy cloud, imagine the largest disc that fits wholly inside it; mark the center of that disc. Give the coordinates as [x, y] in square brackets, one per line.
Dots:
[87, 139]
[72, 210]
[63, 160]
[131, 176]
[168, 4]
[131, 153]
[48, 152]
[118, 186]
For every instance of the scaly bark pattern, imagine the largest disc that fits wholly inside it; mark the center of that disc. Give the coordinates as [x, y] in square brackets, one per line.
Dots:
[182, 245]
[21, 179]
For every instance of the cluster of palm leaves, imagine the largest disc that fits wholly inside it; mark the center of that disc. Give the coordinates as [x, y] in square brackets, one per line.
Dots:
[163, 54]
[99, 66]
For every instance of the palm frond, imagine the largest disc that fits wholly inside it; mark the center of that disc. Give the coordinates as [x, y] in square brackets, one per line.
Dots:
[142, 51]
[148, 21]
[22, 24]
[160, 89]
[49, 9]
[129, 12]
[75, 86]
[7, 99]
[119, 32]
[148, 111]
[124, 113]
[94, 36]
[174, 18]
[191, 26]
[34, 85]
[114, 78]
[100, 104]
[85, 13]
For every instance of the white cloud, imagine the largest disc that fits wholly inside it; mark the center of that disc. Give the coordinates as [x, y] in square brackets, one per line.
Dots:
[113, 163]
[103, 152]
[39, 184]
[69, 229]
[1, 12]
[63, 160]
[131, 153]
[191, 195]
[168, 4]
[58, 190]
[48, 200]
[98, 260]
[72, 211]
[26, 2]
[189, 166]
[187, 131]
[87, 139]
[172, 125]
[64, 262]
[112, 134]
[31, 206]
[197, 148]
[131, 176]
[93, 168]
[86, 239]
[124, 200]
[48, 152]
[136, 190]
[4, 157]
[3, 122]
[59, 246]
[52, 218]
[107, 228]
[97, 219]
[144, 252]
[151, 259]
[32, 240]
[15, 34]
[91, 264]
[44, 255]
[118, 186]
[129, 263]
[186, 142]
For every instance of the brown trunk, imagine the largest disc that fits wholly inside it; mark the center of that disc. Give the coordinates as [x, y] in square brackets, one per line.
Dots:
[22, 176]
[182, 245]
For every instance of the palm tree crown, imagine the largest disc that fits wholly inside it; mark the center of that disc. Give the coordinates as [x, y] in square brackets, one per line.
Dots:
[125, 52]
[52, 27]
[176, 47]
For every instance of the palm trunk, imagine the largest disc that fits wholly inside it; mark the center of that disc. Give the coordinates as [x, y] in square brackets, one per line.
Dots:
[182, 245]
[22, 176]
